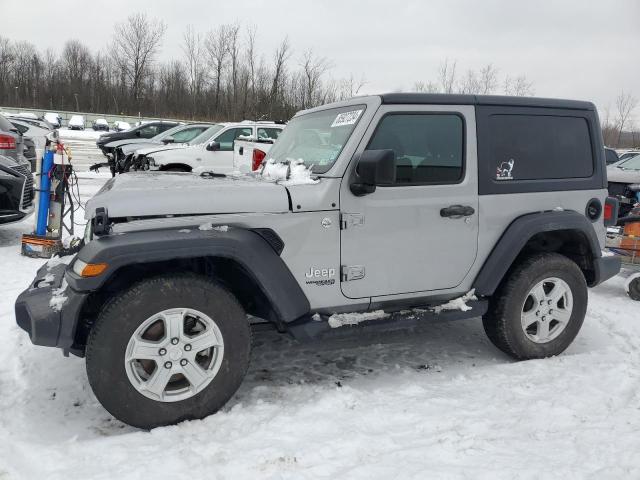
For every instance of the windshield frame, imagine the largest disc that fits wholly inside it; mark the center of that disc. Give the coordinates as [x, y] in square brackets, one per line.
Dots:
[316, 168]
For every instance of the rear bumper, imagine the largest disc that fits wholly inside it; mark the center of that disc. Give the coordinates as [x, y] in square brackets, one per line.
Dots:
[45, 325]
[604, 269]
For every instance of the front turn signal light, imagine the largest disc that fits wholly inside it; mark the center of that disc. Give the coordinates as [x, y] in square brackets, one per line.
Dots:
[85, 269]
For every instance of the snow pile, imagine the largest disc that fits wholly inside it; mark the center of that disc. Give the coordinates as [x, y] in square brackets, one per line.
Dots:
[459, 303]
[293, 173]
[55, 261]
[185, 230]
[341, 319]
[209, 226]
[58, 297]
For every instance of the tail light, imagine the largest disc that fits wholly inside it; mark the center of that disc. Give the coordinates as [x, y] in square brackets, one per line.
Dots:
[257, 158]
[7, 142]
[610, 211]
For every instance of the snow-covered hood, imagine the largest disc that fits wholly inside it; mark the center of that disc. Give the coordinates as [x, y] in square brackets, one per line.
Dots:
[134, 147]
[618, 175]
[180, 153]
[146, 150]
[164, 193]
[127, 141]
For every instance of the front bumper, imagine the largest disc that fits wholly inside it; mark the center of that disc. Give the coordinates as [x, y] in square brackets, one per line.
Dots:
[34, 314]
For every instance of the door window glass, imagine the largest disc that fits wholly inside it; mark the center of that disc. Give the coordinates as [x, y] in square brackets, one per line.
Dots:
[268, 133]
[428, 147]
[227, 138]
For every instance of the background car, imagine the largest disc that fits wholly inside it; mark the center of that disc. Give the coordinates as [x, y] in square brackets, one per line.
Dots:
[119, 126]
[53, 118]
[11, 143]
[147, 130]
[36, 134]
[610, 155]
[16, 190]
[76, 122]
[624, 183]
[100, 124]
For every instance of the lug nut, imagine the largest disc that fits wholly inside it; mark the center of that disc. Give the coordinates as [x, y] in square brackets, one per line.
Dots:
[167, 365]
[550, 311]
[183, 362]
[544, 319]
[187, 348]
[174, 341]
[162, 351]
[537, 313]
[549, 302]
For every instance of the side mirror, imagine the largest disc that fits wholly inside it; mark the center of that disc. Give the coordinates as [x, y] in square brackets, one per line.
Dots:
[374, 167]
[168, 139]
[213, 146]
[137, 133]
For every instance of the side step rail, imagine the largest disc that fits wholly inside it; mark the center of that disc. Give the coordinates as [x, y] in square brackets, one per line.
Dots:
[309, 327]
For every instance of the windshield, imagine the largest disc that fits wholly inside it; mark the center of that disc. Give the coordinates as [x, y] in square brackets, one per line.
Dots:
[205, 136]
[169, 132]
[632, 163]
[316, 139]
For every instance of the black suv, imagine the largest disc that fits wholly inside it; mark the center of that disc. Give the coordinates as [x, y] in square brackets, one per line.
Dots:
[146, 130]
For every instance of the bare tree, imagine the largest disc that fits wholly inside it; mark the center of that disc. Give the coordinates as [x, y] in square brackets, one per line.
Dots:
[280, 58]
[487, 80]
[426, 87]
[192, 48]
[518, 86]
[447, 76]
[136, 42]
[625, 104]
[217, 46]
[313, 68]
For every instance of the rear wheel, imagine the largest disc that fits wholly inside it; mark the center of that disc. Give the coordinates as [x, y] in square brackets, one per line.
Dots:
[170, 348]
[539, 308]
[633, 288]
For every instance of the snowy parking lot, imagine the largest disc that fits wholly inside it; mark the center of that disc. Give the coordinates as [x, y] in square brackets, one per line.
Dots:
[438, 401]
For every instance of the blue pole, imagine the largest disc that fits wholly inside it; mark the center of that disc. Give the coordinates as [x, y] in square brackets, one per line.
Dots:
[45, 193]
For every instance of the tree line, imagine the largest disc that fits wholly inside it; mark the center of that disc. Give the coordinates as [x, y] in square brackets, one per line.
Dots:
[220, 75]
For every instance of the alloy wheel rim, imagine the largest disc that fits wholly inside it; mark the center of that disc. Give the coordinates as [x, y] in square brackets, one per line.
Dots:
[174, 354]
[546, 310]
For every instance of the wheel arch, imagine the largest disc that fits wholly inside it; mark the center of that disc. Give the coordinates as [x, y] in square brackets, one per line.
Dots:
[242, 260]
[566, 232]
[173, 166]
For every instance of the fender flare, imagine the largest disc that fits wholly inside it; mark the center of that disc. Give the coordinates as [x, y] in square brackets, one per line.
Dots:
[520, 231]
[246, 247]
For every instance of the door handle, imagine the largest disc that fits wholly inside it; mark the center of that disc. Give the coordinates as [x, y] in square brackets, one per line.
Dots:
[457, 211]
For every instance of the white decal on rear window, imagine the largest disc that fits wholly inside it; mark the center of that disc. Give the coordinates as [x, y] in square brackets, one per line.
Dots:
[346, 118]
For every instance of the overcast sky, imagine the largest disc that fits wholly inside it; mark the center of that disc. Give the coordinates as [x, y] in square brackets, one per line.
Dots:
[568, 48]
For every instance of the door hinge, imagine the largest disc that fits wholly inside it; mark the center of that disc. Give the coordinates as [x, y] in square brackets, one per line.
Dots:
[351, 272]
[348, 220]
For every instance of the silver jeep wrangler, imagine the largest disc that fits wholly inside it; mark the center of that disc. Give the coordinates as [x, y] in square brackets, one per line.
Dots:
[460, 205]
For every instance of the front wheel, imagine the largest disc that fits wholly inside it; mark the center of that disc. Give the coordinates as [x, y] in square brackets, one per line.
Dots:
[539, 308]
[168, 349]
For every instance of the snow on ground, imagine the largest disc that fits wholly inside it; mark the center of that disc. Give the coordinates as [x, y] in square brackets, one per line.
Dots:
[438, 401]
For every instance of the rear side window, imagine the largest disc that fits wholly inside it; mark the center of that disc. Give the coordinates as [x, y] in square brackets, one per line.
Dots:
[269, 133]
[428, 147]
[531, 147]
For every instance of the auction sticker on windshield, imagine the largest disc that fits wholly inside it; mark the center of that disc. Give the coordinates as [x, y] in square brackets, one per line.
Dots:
[346, 118]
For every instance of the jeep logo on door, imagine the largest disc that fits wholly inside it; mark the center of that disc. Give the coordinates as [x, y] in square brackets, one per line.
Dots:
[320, 276]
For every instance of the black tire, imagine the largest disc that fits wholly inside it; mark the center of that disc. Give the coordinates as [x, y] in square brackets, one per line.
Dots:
[175, 169]
[120, 318]
[502, 322]
[634, 289]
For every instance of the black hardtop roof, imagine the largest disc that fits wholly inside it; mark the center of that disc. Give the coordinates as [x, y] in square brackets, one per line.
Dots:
[494, 100]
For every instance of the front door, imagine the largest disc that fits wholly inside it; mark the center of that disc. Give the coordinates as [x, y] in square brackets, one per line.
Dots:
[421, 233]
